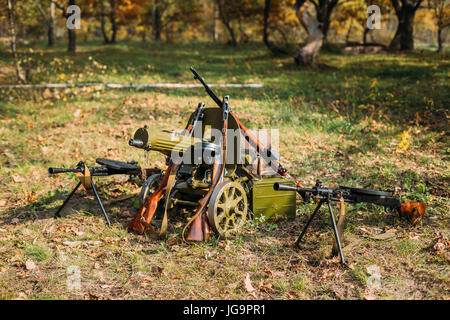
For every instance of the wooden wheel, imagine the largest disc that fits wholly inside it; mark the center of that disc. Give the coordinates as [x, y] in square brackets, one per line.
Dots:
[227, 210]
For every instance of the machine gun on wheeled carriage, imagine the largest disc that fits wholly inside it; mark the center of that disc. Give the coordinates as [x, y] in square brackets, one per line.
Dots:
[222, 189]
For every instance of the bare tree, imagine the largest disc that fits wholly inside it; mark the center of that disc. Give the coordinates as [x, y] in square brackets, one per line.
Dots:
[215, 17]
[405, 11]
[12, 35]
[157, 12]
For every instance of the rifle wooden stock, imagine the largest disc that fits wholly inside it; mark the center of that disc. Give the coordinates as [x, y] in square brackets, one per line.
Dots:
[141, 221]
[199, 228]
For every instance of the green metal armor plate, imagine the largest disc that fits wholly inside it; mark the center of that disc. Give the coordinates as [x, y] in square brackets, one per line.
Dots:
[270, 203]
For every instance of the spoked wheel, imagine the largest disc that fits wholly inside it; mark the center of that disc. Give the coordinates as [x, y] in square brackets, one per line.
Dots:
[150, 185]
[227, 210]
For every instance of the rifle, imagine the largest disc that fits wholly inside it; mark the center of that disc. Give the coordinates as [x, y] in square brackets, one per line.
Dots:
[344, 194]
[199, 227]
[269, 155]
[85, 173]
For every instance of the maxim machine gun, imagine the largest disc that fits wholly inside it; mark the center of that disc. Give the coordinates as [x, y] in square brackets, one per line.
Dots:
[215, 165]
[321, 194]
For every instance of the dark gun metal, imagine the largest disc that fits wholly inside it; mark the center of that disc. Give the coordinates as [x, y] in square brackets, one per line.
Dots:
[108, 167]
[351, 195]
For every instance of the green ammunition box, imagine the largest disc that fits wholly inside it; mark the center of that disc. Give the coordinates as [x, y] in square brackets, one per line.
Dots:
[270, 203]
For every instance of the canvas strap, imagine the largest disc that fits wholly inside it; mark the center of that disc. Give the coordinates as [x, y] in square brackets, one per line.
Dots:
[169, 186]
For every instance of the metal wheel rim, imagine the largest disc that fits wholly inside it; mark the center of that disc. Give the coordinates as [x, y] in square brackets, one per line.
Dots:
[150, 183]
[227, 210]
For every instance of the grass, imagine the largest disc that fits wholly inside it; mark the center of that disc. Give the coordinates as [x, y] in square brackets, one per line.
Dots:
[376, 121]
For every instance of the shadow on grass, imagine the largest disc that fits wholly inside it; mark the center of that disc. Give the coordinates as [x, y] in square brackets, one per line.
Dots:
[80, 203]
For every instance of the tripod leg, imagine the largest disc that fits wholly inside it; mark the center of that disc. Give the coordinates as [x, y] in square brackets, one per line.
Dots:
[336, 233]
[297, 243]
[57, 213]
[100, 203]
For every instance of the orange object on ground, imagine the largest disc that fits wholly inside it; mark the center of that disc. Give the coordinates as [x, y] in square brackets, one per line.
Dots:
[413, 210]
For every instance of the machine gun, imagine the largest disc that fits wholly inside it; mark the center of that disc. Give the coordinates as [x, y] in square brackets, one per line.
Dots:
[345, 194]
[219, 190]
[85, 173]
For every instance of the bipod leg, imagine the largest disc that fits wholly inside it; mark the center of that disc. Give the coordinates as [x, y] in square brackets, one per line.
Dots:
[57, 213]
[297, 243]
[336, 233]
[100, 203]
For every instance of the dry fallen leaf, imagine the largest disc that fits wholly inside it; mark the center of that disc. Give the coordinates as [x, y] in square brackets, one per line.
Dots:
[248, 285]
[18, 179]
[31, 197]
[30, 265]
[93, 296]
[383, 236]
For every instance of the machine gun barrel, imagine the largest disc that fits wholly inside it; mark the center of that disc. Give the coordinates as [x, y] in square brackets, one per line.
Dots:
[207, 88]
[94, 171]
[136, 143]
[63, 170]
[284, 187]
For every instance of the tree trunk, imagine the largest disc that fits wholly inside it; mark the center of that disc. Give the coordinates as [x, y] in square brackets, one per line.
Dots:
[266, 40]
[49, 20]
[156, 22]
[403, 39]
[365, 34]
[307, 54]
[439, 38]
[112, 19]
[12, 35]
[51, 25]
[102, 22]
[214, 28]
[226, 23]
[72, 37]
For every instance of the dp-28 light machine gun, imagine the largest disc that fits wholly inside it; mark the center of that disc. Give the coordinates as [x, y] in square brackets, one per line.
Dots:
[322, 194]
